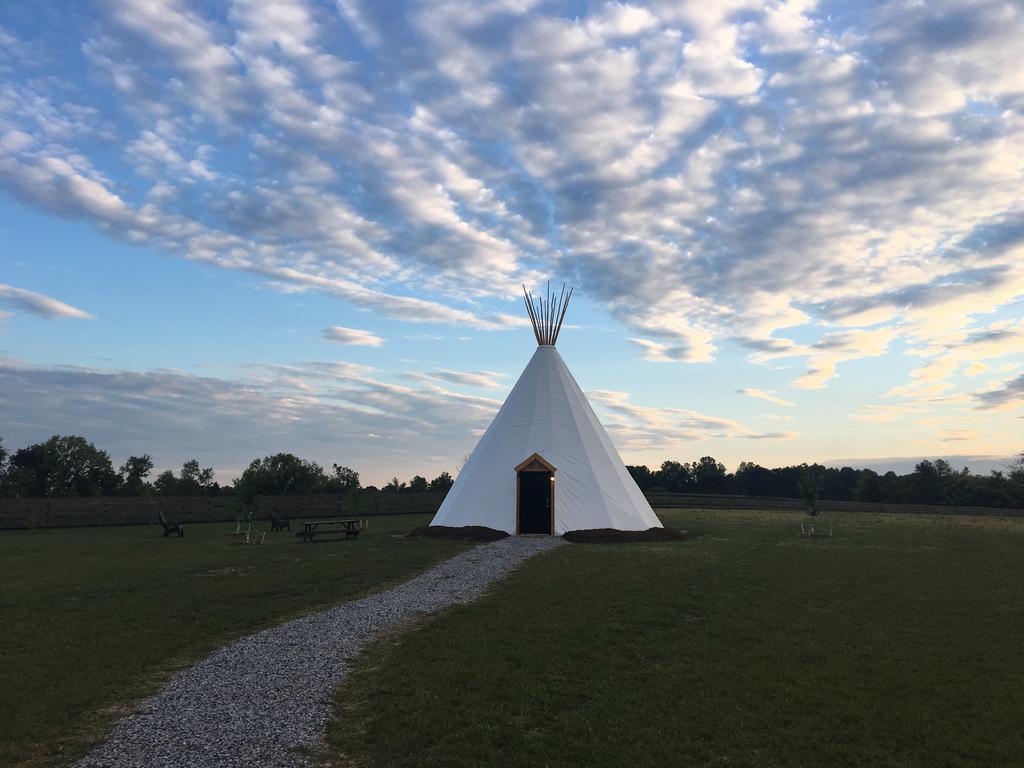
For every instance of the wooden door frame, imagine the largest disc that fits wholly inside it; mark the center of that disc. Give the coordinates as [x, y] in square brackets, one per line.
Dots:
[550, 469]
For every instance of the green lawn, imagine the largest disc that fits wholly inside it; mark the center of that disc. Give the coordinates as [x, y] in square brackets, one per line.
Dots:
[93, 618]
[899, 642]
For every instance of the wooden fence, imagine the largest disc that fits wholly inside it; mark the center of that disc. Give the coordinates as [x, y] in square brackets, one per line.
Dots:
[710, 501]
[74, 512]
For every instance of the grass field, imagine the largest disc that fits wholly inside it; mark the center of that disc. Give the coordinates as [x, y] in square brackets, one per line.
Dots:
[896, 643]
[93, 618]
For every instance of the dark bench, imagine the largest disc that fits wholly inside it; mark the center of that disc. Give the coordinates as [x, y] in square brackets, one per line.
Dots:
[279, 523]
[170, 528]
[349, 528]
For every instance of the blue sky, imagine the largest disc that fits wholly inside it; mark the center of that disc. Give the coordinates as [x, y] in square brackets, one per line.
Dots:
[232, 228]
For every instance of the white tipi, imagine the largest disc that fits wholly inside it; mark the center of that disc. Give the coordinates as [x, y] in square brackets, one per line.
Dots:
[546, 465]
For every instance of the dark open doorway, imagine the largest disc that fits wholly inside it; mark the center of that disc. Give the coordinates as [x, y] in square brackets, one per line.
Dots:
[535, 492]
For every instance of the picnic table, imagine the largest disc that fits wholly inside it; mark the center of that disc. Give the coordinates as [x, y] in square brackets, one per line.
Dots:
[347, 527]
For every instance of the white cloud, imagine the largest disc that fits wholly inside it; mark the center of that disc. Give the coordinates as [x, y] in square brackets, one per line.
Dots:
[15, 140]
[636, 428]
[834, 348]
[322, 411]
[1004, 396]
[717, 71]
[760, 394]
[354, 15]
[950, 352]
[189, 42]
[881, 414]
[38, 304]
[476, 379]
[353, 336]
[975, 369]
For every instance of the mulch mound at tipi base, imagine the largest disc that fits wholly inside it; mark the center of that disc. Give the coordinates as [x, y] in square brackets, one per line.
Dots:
[612, 536]
[465, 533]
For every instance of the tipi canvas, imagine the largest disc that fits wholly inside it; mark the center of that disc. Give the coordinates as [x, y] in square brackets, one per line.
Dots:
[545, 464]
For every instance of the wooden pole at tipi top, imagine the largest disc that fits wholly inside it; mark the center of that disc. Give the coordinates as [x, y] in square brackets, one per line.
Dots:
[547, 313]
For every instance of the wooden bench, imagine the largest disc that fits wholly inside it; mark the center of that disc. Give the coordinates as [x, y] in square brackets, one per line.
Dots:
[170, 528]
[279, 523]
[347, 527]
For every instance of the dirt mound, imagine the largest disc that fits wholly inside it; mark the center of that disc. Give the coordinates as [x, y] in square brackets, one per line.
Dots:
[612, 536]
[465, 533]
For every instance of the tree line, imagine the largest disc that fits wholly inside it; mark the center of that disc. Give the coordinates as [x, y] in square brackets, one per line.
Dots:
[931, 482]
[69, 465]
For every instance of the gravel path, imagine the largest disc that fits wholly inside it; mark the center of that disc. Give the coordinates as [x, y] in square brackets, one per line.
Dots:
[253, 702]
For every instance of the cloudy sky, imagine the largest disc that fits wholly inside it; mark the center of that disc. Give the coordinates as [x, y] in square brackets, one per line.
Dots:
[796, 229]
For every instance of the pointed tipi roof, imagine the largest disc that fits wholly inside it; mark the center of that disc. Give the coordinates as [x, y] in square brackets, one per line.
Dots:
[547, 415]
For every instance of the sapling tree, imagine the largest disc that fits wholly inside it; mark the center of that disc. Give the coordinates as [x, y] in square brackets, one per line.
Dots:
[810, 485]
